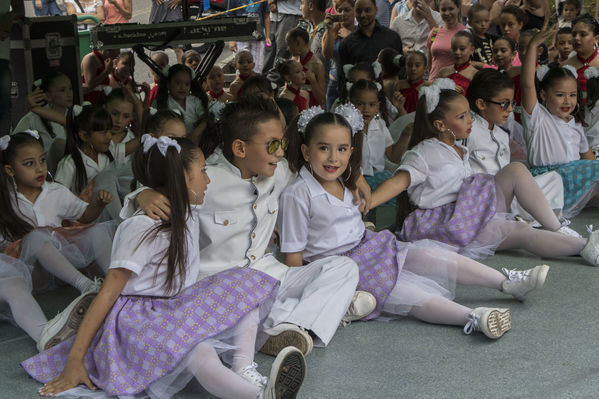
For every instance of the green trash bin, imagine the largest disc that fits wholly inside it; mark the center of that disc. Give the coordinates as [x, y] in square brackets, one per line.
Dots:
[84, 36]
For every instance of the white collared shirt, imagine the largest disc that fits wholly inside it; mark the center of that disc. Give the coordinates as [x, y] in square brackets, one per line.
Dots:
[315, 222]
[193, 111]
[237, 218]
[118, 150]
[591, 118]
[414, 33]
[436, 173]
[65, 172]
[32, 121]
[489, 148]
[550, 140]
[374, 145]
[53, 205]
[146, 259]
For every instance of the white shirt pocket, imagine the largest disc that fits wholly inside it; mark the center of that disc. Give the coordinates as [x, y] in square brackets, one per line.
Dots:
[225, 218]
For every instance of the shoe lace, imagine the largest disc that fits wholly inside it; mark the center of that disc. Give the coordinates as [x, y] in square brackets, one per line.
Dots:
[251, 374]
[472, 325]
[515, 275]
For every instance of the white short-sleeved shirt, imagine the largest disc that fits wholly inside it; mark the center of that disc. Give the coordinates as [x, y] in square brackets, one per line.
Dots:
[489, 148]
[374, 145]
[65, 173]
[550, 140]
[591, 118]
[118, 150]
[144, 259]
[194, 110]
[54, 204]
[88, 8]
[315, 222]
[414, 33]
[32, 121]
[436, 173]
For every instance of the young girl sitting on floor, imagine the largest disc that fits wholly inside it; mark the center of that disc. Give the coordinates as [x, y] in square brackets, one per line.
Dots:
[317, 219]
[464, 209]
[174, 326]
[33, 211]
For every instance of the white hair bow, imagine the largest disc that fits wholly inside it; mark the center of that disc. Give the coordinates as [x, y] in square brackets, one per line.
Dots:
[352, 116]
[107, 90]
[4, 140]
[542, 71]
[432, 93]
[78, 108]
[591, 73]
[376, 67]
[346, 69]
[163, 143]
[306, 116]
[32, 133]
[572, 70]
[152, 111]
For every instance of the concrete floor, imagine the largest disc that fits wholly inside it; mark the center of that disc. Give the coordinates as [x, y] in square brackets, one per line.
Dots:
[550, 352]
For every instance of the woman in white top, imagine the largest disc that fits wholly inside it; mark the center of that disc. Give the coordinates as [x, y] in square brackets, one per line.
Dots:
[49, 103]
[464, 209]
[317, 219]
[553, 130]
[94, 8]
[491, 98]
[173, 326]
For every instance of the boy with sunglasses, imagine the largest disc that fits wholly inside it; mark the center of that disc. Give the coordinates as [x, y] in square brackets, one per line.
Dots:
[237, 221]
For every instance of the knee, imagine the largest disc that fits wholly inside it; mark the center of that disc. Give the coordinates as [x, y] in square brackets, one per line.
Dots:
[518, 169]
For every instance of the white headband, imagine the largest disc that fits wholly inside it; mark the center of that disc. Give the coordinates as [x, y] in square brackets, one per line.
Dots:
[348, 111]
[432, 93]
[32, 133]
[163, 143]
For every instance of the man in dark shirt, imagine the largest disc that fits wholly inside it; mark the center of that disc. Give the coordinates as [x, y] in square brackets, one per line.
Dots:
[369, 38]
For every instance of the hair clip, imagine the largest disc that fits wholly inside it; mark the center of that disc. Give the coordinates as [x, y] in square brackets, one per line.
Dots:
[4, 140]
[397, 59]
[152, 111]
[432, 93]
[347, 69]
[107, 90]
[32, 133]
[306, 116]
[163, 143]
[379, 87]
[376, 67]
[348, 85]
[77, 109]
[352, 116]
[37, 83]
[591, 73]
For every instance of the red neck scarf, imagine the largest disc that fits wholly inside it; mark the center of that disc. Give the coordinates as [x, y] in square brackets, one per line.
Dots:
[307, 58]
[460, 68]
[217, 94]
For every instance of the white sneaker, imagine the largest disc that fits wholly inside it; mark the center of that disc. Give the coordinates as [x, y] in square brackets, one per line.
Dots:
[493, 322]
[286, 375]
[286, 334]
[251, 374]
[521, 282]
[362, 304]
[369, 226]
[590, 252]
[66, 323]
[565, 230]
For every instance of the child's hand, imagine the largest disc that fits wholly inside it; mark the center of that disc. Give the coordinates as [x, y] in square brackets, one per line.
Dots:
[362, 195]
[103, 197]
[36, 98]
[73, 374]
[154, 204]
[330, 24]
[543, 34]
[173, 4]
[108, 64]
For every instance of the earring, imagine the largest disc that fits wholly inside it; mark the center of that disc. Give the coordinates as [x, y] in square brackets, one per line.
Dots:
[452, 133]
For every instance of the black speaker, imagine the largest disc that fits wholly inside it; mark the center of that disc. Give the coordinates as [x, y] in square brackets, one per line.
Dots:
[38, 45]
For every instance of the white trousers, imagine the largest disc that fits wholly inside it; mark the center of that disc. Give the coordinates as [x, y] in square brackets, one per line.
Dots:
[315, 296]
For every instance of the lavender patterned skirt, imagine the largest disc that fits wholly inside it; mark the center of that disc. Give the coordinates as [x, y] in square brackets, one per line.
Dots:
[471, 223]
[145, 338]
[380, 258]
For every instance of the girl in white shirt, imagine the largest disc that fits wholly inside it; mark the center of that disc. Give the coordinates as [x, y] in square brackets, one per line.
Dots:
[88, 164]
[54, 93]
[317, 218]
[553, 130]
[464, 209]
[30, 232]
[178, 91]
[173, 325]
[491, 95]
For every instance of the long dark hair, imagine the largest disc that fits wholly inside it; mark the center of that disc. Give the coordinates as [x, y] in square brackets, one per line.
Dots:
[423, 130]
[166, 174]
[91, 119]
[296, 139]
[238, 121]
[47, 81]
[485, 84]
[560, 73]
[592, 91]
[12, 225]
[363, 85]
